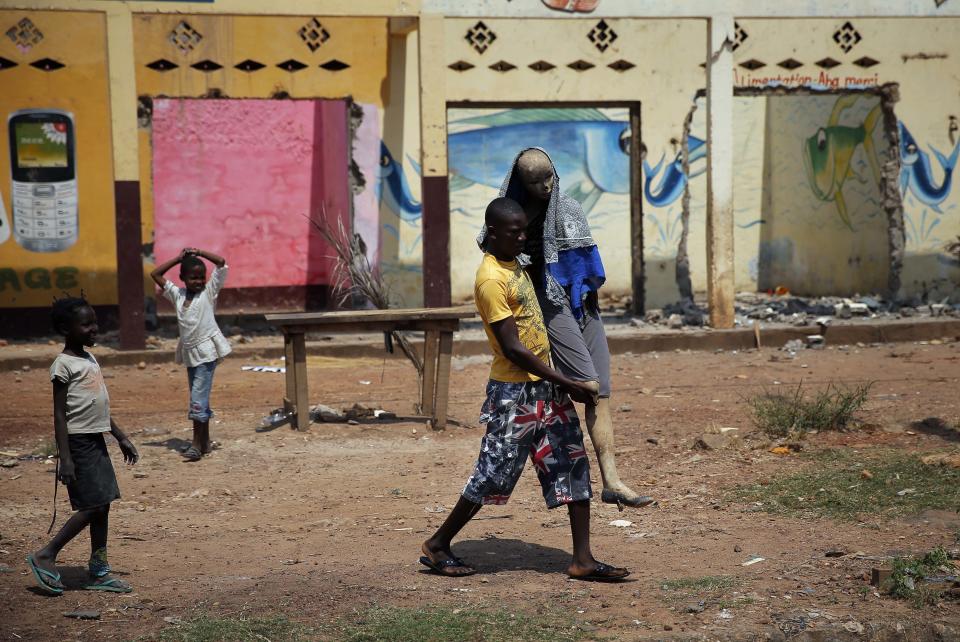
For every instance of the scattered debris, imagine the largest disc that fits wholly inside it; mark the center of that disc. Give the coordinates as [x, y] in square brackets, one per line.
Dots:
[754, 559]
[321, 413]
[82, 615]
[942, 459]
[275, 369]
[9, 463]
[621, 523]
[714, 441]
[866, 474]
[906, 491]
[696, 608]
[835, 552]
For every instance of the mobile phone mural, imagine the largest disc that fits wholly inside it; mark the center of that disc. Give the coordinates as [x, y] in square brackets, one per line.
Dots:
[57, 228]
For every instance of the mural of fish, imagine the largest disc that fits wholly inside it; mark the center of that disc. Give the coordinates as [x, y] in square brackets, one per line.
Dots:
[393, 190]
[589, 150]
[673, 181]
[916, 173]
[827, 154]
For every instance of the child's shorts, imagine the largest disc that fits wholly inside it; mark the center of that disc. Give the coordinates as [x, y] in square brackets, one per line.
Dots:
[530, 418]
[96, 483]
[200, 378]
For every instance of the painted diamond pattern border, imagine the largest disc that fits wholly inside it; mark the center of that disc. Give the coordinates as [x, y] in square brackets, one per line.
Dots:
[184, 37]
[25, 35]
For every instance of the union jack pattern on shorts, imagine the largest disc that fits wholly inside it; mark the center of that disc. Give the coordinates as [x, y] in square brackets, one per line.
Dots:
[534, 419]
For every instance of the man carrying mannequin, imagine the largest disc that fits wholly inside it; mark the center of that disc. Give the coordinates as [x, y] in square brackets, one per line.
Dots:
[564, 264]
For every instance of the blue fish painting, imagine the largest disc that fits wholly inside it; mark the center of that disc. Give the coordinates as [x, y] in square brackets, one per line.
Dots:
[392, 188]
[589, 150]
[673, 181]
[916, 173]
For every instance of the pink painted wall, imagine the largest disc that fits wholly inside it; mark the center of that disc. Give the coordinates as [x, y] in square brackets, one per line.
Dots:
[366, 206]
[238, 177]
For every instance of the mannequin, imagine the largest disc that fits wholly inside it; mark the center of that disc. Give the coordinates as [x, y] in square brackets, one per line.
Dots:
[591, 357]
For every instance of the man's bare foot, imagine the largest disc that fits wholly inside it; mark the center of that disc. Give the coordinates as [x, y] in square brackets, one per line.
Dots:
[442, 561]
[596, 572]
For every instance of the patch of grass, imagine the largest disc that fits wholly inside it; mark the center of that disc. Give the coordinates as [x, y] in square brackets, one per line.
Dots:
[205, 628]
[907, 580]
[708, 583]
[46, 449]
[783, 413]
[443, 623]
[835, 485]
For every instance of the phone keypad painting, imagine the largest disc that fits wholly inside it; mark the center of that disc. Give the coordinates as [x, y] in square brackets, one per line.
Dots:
[44, 180]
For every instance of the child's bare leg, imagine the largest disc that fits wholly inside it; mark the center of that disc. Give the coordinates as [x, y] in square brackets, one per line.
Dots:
[99, 523]
[205, 437]
[198, 435]
[46, 557]
[437, 548]
[584, 565]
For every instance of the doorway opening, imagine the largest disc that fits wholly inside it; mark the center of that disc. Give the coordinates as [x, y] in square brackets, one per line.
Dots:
[597, 159]
[817, 205]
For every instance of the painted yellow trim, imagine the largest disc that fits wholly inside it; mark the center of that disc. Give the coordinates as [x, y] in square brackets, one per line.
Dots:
[390, 8]
[123, 93]
[433, 97]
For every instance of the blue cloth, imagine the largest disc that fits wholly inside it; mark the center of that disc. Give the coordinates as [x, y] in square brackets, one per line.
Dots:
[579, 271]
[201, 381]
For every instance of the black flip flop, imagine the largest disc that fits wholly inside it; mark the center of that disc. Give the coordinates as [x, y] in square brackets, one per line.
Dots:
[602, 573]
[192, 454]
[452, 562]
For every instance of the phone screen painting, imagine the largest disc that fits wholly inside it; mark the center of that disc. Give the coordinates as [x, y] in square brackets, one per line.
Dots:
[41, 144]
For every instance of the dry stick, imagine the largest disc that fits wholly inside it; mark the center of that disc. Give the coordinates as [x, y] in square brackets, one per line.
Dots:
[353, 274]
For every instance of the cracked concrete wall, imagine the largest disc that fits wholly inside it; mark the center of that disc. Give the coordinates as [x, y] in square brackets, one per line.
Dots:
[911, 63]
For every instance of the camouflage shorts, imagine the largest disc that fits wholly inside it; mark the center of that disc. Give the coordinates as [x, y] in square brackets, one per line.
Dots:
[529, 418]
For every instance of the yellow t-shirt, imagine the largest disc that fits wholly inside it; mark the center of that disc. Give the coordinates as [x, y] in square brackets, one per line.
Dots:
[503, 289]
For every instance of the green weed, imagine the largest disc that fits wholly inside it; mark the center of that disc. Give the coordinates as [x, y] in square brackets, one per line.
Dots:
[782, 413]
[909, 573]
[834, 485]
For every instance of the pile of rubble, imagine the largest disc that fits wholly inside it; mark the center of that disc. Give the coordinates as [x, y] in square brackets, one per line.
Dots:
[797, 311]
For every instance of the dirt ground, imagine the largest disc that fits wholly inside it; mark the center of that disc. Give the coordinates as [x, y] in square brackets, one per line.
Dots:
[316, 524]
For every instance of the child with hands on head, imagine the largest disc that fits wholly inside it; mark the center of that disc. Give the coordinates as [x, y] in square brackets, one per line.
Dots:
[81, 415]
[202, 344]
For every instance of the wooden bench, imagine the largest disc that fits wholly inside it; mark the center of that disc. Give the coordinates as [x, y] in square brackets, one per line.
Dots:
[437, 324]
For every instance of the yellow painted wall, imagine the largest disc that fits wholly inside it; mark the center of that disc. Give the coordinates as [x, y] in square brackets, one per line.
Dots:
[229, 40]
[667, 56]
[77, 40]
[269, 40]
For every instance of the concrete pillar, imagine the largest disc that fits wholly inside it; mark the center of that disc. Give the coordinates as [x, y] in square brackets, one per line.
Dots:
[126, 176]
[720, 276]
[435, 194]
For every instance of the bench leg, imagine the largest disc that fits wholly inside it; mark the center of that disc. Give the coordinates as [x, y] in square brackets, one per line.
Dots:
[443, 380]
[302, 396]
[431, 345]
[290, 394]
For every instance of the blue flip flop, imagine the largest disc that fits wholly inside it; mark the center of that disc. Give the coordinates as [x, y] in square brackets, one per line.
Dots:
[40, 573]
[107, 583]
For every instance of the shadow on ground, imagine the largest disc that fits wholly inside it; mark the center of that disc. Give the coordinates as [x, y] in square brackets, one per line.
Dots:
[936, 427]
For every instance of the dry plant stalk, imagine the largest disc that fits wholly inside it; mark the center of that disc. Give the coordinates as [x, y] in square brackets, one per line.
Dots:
[353, 275]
